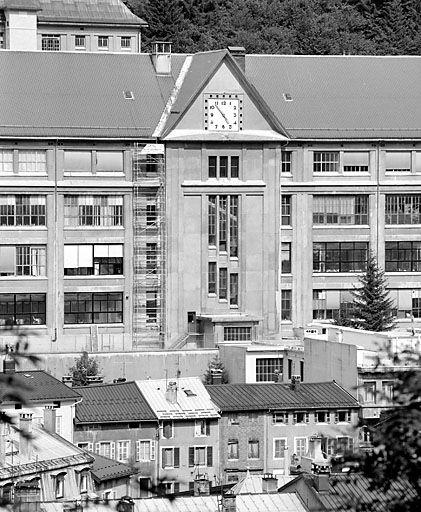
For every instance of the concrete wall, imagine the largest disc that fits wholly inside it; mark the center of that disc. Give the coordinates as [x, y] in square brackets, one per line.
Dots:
[21, 30]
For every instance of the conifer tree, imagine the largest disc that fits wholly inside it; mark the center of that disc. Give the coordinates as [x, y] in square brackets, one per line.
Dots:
[215, 364]
[83, 368]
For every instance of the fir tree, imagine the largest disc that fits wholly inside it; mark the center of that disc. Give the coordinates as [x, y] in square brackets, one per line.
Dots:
[83, 368]
[215, 364]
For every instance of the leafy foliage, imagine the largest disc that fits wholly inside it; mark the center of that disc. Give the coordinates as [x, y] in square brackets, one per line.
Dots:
[215, 364]
[84, 367]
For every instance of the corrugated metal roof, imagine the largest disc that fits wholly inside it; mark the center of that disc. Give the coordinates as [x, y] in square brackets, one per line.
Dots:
[28, 5]
[107, 469]
[112, 403]
[233, 397]
[252, 484]
[57, 94]
[87, 11]
[193, 400]
[40, 386]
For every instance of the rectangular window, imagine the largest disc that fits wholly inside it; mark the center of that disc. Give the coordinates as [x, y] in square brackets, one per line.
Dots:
[327, 304]
[170, 457]
[237, 333]
[125, 42]
[77, 162]
[301, 417]
[233, 289]
[325, 161]
[223, 201]
[212, 277]
[151, 211]
[344, 445]
[106, 449]
[6, 161]
[286, 162]
[80, 42]
[223, 166]
[22, 260]
[50, 43]
[268, 368]
[286, 210]
[223, 218]
[279, 446]
[59, 486]
[93, 211]
[151, 257]
[151, 306]
[402, 256]
[280, 418]
[356, 161]
[300, 446]
[322, 417]
[123, 451]
[22, 210]
[340, 256]
[403, 209]
[233, 226]
[167, 429]
[342, 416]
[212, 220]
[253, 449]
[387, 392]
[285, 257]
[223, 283]
[334, 210]
[22, 308]
[145, 450]
[200, 456]
[286, 304]
[369, 392]
[109, 162]
[89, 260]
[202, 428]
[398, 161]
[103, 42]
[233, 449]
[93, 308]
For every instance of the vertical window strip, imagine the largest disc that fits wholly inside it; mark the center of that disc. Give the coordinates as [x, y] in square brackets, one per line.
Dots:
[212, 167]
[212, 277]
[233, 226]
[235, 167]
[212, 220]
[233, 289]
[6, 161]
[223, 223]
[93, 211]
[286, 303]
[223, 284]
[223, 167]
[286, 210]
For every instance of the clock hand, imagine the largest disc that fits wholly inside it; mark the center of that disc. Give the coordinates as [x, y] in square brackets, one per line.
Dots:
[222, 114]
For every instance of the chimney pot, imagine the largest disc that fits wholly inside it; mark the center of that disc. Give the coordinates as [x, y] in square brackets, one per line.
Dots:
[269, 483]
[201, 486]
[216, 376]
[25, 441]
[171, 393]
[50, 419]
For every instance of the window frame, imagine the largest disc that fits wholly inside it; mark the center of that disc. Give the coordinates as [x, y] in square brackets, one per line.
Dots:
[286, 305]
[395, 206]
[333, 210]
[284, 442]
[141, 454]
[405, 249]
[334, 164]
[233, 453]
[123, 448]
[37, 313]
[52, 42]
[250, 443]
[175, 457]
[202, 427]
[296, 450]
[265, 368]
[223, 167]
[101, 40]
[170, 425]
[90, 300]
[340, 257]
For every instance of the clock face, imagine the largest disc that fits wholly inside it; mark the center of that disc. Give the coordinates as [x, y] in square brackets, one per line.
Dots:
[223, 112]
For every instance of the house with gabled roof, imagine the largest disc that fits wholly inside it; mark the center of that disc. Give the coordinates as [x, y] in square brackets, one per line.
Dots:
[187, 447]
[267, 428]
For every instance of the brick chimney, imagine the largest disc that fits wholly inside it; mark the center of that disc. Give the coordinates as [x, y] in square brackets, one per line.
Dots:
[216, 376]
[295, 382]
[201, 486]
[239, 55]
[9, 363]
[171, 393]
[269, 483]
[50, 419]
[229, 503]
[321, 482]
[161, 57]
[25, 441]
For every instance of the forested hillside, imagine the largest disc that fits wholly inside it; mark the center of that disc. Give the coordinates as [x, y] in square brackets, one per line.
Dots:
[375, 27]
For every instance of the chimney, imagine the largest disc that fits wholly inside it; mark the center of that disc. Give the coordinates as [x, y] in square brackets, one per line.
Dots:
[161, 57]
[229, 503]
[287, 462]
[171, 393]
[50, 419]
[277, 375]
[9, 363]
[239, 55]
[201, 486]
[216, 376]
[68, 380]
[269, 483]
[321, 482]
[295, 382]
[94, 379]
[25, 441]
[314, 461]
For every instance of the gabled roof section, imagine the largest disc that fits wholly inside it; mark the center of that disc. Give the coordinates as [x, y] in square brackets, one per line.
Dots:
[104, 469]
[40, 386]
[192, 399]
[87, 11]
[25, 5]
[73, 95]
[254, 397]
[111, 403]
[203, 67]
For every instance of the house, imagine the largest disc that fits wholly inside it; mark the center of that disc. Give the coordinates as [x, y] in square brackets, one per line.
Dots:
[112, 479]
[116, 422]
[187, 447]
[267, 428]
[57, 25]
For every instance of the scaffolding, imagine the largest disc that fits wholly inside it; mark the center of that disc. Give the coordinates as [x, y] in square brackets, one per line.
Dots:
[148, 170]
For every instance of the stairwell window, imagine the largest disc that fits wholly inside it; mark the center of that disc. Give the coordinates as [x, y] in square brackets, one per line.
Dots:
[223, 217]
[285, 257]
[286, 210]
[286, 305]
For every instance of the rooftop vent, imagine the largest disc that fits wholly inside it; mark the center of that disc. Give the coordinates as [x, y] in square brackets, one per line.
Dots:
[189, 392]
[128, 95]
[287, 96]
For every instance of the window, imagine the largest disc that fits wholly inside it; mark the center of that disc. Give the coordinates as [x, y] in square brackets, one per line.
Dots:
[22, 260]
[200, 456]
[151, 211]
[328, 304]
[369, 392]
[344, 444]
[342, 416]
[22, 308]
[59, 425]
[80, 42]
[151, 306]
[285, 257]
[406, 303]
[212, 220]
[356, 161]
[403, 256]
[6, 161]
[333, 210]
[233, 289]
[341, 161]
[280, 418]
[167, 429]
[170, 457]
[403, 209]
[266, 368]
[171, 487]
[77, 162]
[286, 210]
[286, 304]
[253, 449]
[145, 450]
[93, 308]
[398, 161]
[50, 43]
[286, 162]
[219, 229]
[322, 417]
[59, 485]
[202, 428]
[300, 417]
[279, 446]
[237, 333]
[300, 446]
[89, 260]
[151, 257]
[32, 162]
[387, 392]
[233, 418]
[223, 166]
[340, 256]
[86, 446]
[125, 42]
[103, 42]
[212, 277]
[109, 162]
[123, 451]
[93, 211]
[83, 481]
[326, 161]
[223, 283]
[106, 449]
[22, 210]
[233, 449]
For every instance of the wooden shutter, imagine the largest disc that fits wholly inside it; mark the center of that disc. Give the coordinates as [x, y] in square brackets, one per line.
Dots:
[176, 457]
[191, 456]
[209, 457]
[153, 449]
[90, 447]
[208, 427]
[112, 450]
[163, 457]
[98, 447]
[137, 456]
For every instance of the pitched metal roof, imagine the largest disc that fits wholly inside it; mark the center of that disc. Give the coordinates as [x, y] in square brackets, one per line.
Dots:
[58, 94]
[247, 397]
[107, 469]
[120, 402]
[87, 11]
[252, 484]
[26, 5]
[39, 386]
[193, 400]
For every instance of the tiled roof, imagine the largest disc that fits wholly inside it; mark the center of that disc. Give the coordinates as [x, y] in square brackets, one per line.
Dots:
[27, 5]
[87, 11]
[238, 397]
[107, 469]
[112, 403]
[59, 94]
[193, 400]
[41, 386]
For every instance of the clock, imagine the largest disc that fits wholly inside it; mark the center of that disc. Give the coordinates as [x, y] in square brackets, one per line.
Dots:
[223, 112]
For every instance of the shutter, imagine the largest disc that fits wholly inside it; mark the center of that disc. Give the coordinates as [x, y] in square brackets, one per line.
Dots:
[191, 456]
[207, 427]
[98, 447]
[176, 457]
[137, 456]
[163, 458]
[209, 461]
[336, 417]
[153, 449]
[176, 486]
[328, 417]
[112, 450]
[294, 417]
[90, 447]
